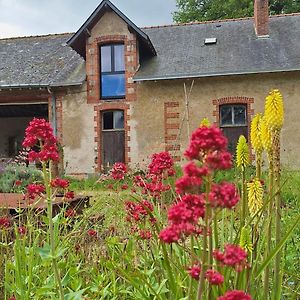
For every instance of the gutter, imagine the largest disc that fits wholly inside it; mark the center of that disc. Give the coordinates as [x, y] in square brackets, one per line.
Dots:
[53, 111]
[187, 76]
[38, 86]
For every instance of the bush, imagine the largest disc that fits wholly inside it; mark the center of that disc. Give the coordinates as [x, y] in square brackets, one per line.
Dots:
[16, 177]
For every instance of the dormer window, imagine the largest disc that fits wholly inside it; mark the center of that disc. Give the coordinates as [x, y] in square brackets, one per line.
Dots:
[112, 66]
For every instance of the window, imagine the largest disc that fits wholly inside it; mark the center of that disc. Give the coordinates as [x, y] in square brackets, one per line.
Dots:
[233, 122]
[112, 65]
[233, 115]
[113, 120]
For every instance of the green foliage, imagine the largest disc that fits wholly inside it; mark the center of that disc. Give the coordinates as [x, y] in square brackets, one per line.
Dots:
[205, 10]
[14, 173]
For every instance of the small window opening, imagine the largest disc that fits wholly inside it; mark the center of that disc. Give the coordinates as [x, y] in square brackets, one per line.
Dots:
[113, 120]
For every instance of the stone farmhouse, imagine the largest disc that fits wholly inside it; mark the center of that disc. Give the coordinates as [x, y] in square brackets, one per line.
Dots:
[117, 92]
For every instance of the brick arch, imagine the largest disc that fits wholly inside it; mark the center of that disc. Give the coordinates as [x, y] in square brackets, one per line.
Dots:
[93, 66]
[98, 110]
[234, 100]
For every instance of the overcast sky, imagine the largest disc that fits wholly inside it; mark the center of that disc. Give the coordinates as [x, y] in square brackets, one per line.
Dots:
[33, 17]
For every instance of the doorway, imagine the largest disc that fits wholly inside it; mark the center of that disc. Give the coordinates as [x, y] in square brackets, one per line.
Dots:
[113, 137]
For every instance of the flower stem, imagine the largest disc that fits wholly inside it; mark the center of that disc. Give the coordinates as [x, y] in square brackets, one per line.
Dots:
[49, 196]
[269, 228]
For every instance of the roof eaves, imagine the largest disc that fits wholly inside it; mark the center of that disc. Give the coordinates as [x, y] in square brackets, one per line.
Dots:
[195, 75]
[104, 4]
[37, 86]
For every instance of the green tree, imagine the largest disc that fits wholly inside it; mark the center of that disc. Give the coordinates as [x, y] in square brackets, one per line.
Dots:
[205, 10]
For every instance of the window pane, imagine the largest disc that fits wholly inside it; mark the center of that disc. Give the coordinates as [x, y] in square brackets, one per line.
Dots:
[118, 119]
[108, 122]
[226, 115]
[239, 115]
[106, 59]
[113, 85]
[119, 58]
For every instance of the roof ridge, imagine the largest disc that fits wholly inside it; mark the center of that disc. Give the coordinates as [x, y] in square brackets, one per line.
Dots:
[215, 21]
[36, 36]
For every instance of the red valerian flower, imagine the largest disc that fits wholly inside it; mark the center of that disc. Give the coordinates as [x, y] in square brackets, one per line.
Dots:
[204, 140]
[92, 232]
[40, 134]
[70, 213]
[69, 195]
[22, 230]
[137, 211]
[195, 271]
[223, 195]
[235, 295]
[60, 183]
[118, 171]
[34, 190]
[233, 256]
[12, 298]
[145, 234]
[18, 182]
[161, 162]
[124, 186]
[214, 277]
[218, 160]
[5, 223]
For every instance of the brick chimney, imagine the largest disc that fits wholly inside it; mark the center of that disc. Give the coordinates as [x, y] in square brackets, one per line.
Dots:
[261, 17]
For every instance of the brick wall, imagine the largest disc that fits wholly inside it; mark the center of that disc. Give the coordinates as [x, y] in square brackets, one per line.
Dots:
[172, 127]
[93, 88]
[261, 17]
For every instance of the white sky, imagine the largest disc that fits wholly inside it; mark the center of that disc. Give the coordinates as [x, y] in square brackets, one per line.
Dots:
[34, 17]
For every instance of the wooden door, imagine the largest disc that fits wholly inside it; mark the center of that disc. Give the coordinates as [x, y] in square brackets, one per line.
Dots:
[113, 138]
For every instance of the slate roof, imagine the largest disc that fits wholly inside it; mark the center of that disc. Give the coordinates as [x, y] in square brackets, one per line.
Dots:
[181, 52]
[40, 61]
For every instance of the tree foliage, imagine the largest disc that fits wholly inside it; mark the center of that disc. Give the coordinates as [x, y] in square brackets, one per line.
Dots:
[205, 10]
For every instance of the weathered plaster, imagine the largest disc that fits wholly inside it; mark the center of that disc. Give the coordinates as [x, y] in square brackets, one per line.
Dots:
[147, 111]
[78, 132]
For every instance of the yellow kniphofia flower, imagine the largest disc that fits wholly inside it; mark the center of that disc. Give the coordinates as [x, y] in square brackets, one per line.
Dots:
[205, 123]
[242, 152]
[255, 134]
[245, 240]
[266, 136]
[274, 110]
[255, 196]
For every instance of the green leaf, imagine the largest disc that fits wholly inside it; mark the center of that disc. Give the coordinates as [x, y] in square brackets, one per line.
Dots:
[277, 248]
[45, 252]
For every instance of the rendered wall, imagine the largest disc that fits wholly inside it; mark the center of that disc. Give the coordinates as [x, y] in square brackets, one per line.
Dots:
[78, 132]
[147, 113]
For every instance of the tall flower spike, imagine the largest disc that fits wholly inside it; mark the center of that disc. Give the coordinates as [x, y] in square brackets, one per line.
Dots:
[245, 240]
[242, 153]
[255, 196]
[274, 110]
[266, 136]
[255, 134]
[205, 123]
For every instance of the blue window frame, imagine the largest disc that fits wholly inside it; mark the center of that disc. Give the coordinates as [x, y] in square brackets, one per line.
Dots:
[112, 65]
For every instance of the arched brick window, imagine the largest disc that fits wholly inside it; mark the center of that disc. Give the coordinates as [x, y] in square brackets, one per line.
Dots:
[233, 116]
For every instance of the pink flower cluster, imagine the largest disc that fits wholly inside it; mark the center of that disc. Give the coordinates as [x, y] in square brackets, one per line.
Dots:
[161, 163]
[233, 256]
[35, 190]
[208, 146]
[40, 134]
[223, 195]
[195, 271]
[235, 295]
[5, 222]
[60, 183]
[183, 218]
[118, 171]
[161, 167]
[214, 277]
[137, 211]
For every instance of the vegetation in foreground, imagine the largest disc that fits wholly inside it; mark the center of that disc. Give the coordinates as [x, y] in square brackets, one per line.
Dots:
[207, 232]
